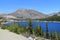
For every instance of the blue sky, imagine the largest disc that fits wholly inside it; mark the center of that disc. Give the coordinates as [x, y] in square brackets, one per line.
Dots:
[45, 6]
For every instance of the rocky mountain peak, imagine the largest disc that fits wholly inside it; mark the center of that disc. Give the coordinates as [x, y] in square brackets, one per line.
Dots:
[28, 13]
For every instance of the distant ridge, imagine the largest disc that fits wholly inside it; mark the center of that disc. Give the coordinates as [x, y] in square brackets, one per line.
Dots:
[55, 14]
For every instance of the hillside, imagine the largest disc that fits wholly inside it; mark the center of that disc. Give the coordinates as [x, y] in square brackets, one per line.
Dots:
[51, 18]
[28, 13]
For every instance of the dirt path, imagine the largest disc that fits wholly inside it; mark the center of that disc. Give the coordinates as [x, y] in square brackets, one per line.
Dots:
[6, 35]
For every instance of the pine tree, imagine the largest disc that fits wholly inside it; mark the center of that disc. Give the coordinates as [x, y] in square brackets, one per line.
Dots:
[55, 36]
[30, 26]
[59, 36]
[47, 32]
[39, 31]
[51, 36]
[42, 32]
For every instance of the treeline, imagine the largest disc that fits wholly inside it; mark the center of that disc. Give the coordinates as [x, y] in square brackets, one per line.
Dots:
[52, 18]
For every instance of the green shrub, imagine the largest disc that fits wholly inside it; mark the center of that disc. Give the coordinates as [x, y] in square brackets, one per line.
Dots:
[59, 36]
[38, 31]
[14, 28]
[18, 30]
[55, 35]
[10, 28]
[4, 27]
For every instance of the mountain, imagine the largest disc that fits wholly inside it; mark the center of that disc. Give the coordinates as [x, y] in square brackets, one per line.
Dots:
[52, 17]
[55, 14]
[28, 13]
[7, 16]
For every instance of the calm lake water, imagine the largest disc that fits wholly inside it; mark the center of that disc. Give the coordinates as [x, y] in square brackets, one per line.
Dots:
[51, 25]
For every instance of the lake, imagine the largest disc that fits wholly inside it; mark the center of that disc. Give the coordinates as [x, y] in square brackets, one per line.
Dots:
[51, 25]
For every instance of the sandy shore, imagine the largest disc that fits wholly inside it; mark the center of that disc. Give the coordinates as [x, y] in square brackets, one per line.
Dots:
[6, 35]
